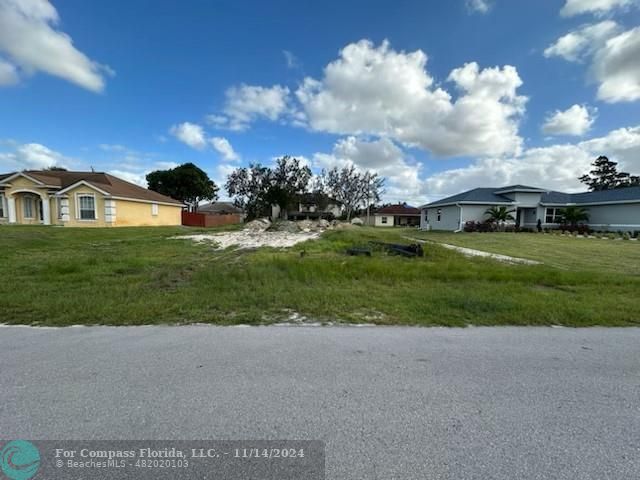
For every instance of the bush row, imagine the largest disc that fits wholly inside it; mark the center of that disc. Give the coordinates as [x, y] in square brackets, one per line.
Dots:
[487, 226]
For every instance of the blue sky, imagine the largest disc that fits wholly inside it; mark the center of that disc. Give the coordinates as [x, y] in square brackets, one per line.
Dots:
[436, 96]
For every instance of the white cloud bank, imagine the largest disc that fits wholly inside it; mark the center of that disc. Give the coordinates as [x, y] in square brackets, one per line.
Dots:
[597, 7]
[31, 42]
[373, 90]
[556, 167]
[576, 121]
[381, 156]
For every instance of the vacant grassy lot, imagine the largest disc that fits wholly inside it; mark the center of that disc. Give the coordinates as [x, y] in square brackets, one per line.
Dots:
[56, 276]
[567, 252]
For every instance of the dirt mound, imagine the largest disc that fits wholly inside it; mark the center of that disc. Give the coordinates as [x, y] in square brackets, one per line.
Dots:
[307, 225]
[258, 225]
[284, 226]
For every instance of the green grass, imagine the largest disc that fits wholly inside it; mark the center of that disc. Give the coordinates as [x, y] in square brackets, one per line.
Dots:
[562, 251]
[57, 276]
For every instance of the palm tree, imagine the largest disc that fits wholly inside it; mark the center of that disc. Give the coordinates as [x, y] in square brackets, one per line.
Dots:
[499, 214]
[574, 215]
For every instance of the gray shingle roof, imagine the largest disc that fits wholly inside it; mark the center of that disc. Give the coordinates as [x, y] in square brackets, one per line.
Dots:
[615, 195]
[485, 195]
[488, 196]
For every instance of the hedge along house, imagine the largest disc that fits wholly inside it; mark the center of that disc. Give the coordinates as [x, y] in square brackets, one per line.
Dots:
[617, 209]
[82, 199]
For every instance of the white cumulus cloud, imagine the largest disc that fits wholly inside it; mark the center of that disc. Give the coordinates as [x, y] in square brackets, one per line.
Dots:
[616, 66]
[381, 156]
[32, 156]
[598, 7]
[31, 41]
[614, 57]
[244, 104]
[190, 134]
[378, 91]
[577, 44]
[224, 148]
[576, 121]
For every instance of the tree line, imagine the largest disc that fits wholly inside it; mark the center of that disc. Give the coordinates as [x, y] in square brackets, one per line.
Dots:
[257, 187]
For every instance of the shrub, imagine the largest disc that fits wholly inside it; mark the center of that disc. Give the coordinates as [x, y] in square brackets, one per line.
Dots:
[483, 227]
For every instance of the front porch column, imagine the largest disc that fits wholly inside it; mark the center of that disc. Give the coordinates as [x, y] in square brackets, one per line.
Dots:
[11, 206]
[46, 211]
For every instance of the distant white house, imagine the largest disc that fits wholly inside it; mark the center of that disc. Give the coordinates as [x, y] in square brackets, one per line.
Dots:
[400, 215]
[617, 209]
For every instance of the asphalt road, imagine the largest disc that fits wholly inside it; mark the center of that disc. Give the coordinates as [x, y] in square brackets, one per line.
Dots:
[390, 403]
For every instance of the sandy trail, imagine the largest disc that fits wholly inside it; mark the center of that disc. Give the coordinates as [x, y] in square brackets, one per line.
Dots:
[470, 252]
[247, 239]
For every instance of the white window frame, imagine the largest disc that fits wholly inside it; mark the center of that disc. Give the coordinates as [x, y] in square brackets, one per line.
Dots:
[59, 208]
[383, 220]
[439, 213]
[555, 216]
[154, 209]
[31, 207]
[95, 207]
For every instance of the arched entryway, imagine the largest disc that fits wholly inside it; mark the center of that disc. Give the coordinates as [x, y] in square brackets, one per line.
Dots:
[28, 207]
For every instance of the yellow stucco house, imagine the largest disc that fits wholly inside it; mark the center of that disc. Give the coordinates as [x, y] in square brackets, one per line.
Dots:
[82, 199]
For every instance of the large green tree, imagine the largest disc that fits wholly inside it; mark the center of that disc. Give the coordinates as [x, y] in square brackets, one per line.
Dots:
[288, 179]
[256, 188]
[248, 187]
[605, 176]
[186, 183]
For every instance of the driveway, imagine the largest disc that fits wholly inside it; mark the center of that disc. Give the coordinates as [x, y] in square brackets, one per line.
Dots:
[405, 403]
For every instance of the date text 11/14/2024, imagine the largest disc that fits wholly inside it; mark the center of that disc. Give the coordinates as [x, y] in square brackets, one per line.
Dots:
[177, 453]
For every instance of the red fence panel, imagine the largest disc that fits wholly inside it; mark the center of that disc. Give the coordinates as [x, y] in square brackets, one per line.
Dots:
[191, 219]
